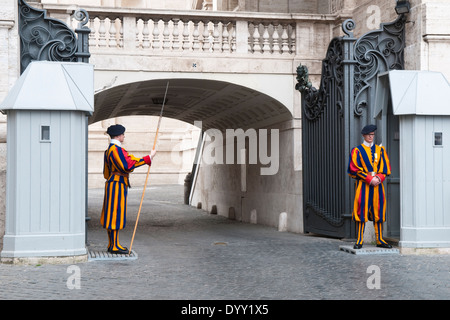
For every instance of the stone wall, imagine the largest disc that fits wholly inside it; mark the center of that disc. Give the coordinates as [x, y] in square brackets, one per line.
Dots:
[244, 192]
[427, 30]
[428, 40]
[9, 66]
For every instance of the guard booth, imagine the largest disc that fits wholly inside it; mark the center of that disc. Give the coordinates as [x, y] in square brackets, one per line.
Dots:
[421, 102]
[47, 113]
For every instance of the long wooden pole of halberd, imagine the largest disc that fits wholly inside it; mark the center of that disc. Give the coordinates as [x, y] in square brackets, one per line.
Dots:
[148, 171]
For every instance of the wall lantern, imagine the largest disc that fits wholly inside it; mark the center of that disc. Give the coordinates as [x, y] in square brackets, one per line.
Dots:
[403, 6]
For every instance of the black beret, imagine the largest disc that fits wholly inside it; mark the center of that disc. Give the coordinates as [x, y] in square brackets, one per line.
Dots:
[368, 129]
[115, 130]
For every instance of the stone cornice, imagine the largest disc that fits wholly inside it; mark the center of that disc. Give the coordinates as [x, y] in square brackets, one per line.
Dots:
[67, 9]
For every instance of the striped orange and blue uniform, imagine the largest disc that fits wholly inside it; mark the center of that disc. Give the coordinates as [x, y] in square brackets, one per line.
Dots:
[370, 201]
[118, 163]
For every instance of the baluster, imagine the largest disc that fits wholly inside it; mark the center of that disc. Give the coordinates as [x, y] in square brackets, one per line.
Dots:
[102, 33]
[186, 42]
[232, 36]
[250, 39]
[256, 39]
[175, 35]
[292, 39]
[285, 40]
[120, 35]
[266, 40]
[211, 36]
[195, 36]
[156, 43]
[161, 25]
[225, 37]
[217, 34]
[93, 35]
[204, 36]
[150, 26]
[112, 33]
[138, 32]
[165, 35]
[145, 35]
[276, 39]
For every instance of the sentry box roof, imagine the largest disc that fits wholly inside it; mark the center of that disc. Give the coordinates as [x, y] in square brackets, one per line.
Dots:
[46, 85]
[414, 92]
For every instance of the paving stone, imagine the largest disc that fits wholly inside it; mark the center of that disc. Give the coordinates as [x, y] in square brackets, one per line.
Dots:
[188, 254]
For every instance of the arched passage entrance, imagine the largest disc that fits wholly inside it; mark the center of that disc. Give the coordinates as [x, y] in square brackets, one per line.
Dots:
[235, 190]
[218, 104]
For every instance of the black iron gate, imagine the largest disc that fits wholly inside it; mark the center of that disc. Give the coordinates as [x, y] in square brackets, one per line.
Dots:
[332, 118]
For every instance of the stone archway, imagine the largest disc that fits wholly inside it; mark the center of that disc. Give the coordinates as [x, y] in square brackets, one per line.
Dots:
[221, 105]
[218, 104]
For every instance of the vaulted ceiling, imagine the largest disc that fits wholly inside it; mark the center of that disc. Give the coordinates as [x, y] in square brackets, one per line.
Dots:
[220, 105]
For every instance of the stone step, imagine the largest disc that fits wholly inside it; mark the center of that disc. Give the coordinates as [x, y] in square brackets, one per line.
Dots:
[368, 249]
[104, 255]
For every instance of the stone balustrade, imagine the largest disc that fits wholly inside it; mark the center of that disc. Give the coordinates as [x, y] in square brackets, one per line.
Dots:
[163, 32]
[184, 34]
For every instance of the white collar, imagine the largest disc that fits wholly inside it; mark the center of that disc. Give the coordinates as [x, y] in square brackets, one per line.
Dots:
[116, 142]
[367, 144]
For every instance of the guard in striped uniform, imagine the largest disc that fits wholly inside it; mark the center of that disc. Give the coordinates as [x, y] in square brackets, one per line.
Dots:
[369, 165]
[118, 164]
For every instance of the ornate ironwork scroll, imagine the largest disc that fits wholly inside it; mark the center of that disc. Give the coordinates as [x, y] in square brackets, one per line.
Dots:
[375, 52]
[44, 38]
[315, 100]
[333, 115]
[83, 32]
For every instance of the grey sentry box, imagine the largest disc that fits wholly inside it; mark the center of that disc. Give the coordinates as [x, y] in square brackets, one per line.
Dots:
[421, 100]
[47, 113]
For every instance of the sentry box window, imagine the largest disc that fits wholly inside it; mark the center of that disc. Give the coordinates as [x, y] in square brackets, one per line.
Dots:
[45, 133]
[437, 137]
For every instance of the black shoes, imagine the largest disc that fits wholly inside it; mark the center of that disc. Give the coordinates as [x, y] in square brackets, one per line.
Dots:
[119, 251]
[381, 245]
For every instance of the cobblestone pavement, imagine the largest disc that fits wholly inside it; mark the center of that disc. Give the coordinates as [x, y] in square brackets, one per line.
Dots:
[186, 253]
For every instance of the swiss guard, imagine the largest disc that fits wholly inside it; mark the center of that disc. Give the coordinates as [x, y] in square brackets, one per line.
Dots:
[118, 164]
[369, 166]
